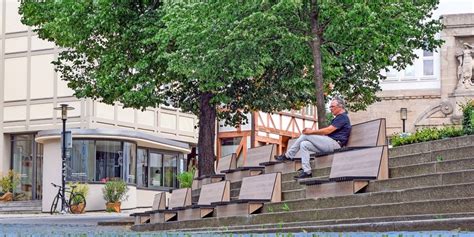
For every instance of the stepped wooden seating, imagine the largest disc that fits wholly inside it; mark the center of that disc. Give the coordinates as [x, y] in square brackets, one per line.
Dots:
[252, 166]
[210, 193]
[227, 162]
[350, 172]
[254, 192]
[179, 198]
[159, 203]
[363, 135]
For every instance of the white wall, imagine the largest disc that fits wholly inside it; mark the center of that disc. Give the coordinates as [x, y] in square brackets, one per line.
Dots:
[51, 172]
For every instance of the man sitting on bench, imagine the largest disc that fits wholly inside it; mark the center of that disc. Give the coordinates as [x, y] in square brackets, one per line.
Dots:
[325, 139]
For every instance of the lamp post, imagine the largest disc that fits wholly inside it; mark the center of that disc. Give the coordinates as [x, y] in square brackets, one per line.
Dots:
[403, 117]
[63, 108]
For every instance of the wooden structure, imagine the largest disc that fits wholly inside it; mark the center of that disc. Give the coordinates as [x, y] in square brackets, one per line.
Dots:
[350, 172]
[252, 166]
[179, 198]
[210, 193]
[228, 162]
[159, 203]
[254, 192]
[266, 128]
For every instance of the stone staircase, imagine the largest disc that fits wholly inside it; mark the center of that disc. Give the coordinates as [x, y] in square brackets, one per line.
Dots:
[431, 187]
[20, 207]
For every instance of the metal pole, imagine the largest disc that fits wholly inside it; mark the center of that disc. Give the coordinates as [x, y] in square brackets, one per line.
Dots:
[63, 168]
[403, 125]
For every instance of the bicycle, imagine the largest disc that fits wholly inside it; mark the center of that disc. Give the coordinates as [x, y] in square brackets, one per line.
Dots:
[74, 199]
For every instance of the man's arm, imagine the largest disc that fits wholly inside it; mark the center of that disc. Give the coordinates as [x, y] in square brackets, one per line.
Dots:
[323, 131]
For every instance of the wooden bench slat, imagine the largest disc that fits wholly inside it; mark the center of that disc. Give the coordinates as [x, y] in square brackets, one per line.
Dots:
[357, 163]
[261, 187]
[215, 192]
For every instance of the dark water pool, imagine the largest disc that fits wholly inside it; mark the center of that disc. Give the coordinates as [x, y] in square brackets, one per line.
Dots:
[40, 230]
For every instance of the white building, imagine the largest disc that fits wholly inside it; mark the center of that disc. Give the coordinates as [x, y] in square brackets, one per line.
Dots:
[146, 149]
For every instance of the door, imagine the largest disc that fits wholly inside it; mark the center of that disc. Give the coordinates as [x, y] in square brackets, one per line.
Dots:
[27, 162]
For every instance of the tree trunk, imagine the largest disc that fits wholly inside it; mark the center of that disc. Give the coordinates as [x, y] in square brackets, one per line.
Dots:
[207, 126]
[316, 35]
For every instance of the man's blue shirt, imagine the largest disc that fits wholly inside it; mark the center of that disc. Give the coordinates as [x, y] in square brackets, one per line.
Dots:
[343, 128]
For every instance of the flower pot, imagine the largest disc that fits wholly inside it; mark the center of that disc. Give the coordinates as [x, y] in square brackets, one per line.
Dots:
[7, 197]
[78, 208]
[113, 206]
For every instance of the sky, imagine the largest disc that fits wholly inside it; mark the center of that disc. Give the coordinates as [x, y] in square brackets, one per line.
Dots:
[454, 7]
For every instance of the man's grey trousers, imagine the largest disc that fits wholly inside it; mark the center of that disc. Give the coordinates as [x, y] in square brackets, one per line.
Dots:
[310, 144]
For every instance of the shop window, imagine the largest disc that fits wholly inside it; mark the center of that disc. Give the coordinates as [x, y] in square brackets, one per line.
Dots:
[156, 170]
[82, 165]
[142, 167]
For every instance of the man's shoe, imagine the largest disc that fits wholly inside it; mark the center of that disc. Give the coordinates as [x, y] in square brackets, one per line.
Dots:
[282, 158]
[303, 175]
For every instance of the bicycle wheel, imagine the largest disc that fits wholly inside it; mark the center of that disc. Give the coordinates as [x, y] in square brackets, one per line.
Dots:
[77, 203]
[54, 205]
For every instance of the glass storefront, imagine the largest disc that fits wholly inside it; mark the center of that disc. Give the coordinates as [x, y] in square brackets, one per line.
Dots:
[27, 161]
[101, 160]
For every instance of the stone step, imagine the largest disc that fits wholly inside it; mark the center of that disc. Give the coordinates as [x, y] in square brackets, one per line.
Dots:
[404, 223]
[385, 197]
[344, 225]
[438, 179]
[21, 207]
[437, 145]
[433, 207]
[420, 158]
[440, 166]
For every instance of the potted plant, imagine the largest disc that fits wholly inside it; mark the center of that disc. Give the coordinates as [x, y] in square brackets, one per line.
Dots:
[78, 200]
[114, 191]
[185, 179]
[8, 184]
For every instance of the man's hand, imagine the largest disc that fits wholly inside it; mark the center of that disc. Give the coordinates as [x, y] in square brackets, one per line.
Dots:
[308, 131]
[323, 131]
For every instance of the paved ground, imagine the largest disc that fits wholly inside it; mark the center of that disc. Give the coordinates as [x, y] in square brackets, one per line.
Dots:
[83, 219]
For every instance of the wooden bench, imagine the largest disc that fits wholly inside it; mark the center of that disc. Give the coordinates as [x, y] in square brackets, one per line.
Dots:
[179, 198]
[254, 192]
[159, 203]
[227, 162]
[363, 135]
[252, 166]
[210, 193]
[350, 172]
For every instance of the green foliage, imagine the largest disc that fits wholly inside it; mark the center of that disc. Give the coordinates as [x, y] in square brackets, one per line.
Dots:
[468, 117]
[285, 207]
[426, 134]
[115, 191]
[81, 188]
[185, 179]
[439, 158]
[9, 182]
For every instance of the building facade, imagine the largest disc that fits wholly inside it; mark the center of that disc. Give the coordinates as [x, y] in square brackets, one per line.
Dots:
[145, 148]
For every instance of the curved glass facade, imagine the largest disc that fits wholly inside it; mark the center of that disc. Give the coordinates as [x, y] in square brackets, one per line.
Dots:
[97, 160]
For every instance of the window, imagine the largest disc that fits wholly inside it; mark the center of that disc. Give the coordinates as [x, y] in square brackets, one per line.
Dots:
[170, 170]
[101, 160]
[155, 172]
[81, 166]
[428, 63]
[309, 110]
[142, 167]
[109, 160]
[129, 160]
[229, 145]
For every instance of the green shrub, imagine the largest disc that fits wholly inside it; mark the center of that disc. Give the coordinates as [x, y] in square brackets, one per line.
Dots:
[468, 117]
[115, 191]
[81, 189]
[186, 179]
[426, 134]
[9, 182]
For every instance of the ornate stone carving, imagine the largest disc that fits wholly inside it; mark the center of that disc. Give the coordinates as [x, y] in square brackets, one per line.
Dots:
[446, 108]
[465, 67]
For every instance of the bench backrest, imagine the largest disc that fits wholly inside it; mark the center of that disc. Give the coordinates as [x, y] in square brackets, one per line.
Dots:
[227, 162]
[261, 187]
[214, 192]
[260, 154]
[180, 198]
[368, 134]
[159, 201]
[370, 163]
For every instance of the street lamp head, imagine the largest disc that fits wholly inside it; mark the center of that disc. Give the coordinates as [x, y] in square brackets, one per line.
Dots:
[64, 108]
[403, 113]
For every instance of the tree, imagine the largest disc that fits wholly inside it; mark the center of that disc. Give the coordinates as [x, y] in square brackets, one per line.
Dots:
[352, 42]
[188, 55]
